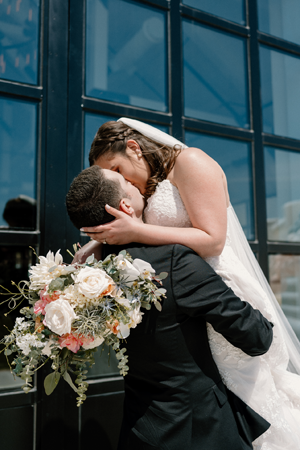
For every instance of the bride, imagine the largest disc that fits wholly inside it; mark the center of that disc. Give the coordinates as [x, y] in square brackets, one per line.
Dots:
[188, 203]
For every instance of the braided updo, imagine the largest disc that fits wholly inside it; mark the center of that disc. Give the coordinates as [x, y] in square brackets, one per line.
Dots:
[112, 137]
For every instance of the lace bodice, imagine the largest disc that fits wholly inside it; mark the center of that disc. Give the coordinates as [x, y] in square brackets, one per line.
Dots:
[262, 382]
[165, 207]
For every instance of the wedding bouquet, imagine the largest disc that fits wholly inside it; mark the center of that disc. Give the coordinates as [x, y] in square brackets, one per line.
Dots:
[75, 308]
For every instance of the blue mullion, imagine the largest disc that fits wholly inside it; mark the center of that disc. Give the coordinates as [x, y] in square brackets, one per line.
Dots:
[118, 109]
[218, 22]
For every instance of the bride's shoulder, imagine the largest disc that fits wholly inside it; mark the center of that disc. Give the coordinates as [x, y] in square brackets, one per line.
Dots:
[195, 158]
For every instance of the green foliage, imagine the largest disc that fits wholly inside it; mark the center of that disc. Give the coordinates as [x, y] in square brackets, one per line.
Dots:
[162, 275]
[68, 379]
[60, 283]
[51, 381]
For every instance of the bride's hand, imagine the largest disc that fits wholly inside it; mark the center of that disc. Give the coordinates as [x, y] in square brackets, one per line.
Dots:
[122, 230]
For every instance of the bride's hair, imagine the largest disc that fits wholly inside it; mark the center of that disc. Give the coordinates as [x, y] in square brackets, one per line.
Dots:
[112, 137]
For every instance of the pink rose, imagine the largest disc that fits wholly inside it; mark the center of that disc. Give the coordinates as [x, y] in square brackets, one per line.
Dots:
[45, 299]
[74, 341]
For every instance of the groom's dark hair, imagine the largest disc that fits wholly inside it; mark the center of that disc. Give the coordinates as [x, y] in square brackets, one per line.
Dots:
[89, 192]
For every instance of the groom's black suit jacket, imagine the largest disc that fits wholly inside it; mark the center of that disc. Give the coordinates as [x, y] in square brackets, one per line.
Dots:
[174, 396]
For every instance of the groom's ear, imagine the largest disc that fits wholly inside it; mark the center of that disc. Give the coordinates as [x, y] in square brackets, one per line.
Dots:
[126, 207]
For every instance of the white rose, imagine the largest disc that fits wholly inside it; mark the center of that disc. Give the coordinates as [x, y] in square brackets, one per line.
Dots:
[127, 271]
[95, 343]
[92, 282]
[59, 316]
[145, 269]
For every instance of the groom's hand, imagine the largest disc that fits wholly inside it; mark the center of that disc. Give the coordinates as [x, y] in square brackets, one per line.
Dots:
[122, 230]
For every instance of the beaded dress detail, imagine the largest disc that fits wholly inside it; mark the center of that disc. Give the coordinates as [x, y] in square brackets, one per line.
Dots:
[262, 382]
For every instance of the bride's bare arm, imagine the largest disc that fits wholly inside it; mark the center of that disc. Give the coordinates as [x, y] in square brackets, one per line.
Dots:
[200, 182]
[91, 248]
[203, 189]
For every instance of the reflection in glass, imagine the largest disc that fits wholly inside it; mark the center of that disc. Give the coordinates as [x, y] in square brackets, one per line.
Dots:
[235, 159]
[92, 123]
[14, 265]
[126, 60]
[215, 76]
[19, 40]
[233, 10]
[280, 91]
[18, 124]
[285, 283]
[280, 18]
[282, 168]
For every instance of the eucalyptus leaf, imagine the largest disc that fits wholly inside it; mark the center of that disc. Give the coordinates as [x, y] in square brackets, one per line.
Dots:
[46, 332]
[122, 252]
[160, 291]
[52, 269]
[162, 275]
[26, 388]
[68, 280]
[90, 259]
[25, 377]
[68, 379]
[65, 352]
[146, 305]
[56, 285]
[51, 381]
[106, 260]
[70, 268]
[158, 306]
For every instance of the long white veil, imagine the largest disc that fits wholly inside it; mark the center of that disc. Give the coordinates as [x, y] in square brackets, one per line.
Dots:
[241, 248]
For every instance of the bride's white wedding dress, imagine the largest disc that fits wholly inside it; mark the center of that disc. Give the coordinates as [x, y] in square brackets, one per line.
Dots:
[262, 382]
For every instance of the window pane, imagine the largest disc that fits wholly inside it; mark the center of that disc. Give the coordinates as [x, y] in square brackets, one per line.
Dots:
[233, 10]
[285, 283]
[280, 90]
[92, 123]
[126, 60]
[215, 76]
[18, 163]
[235, 159]
[280, 18]
[282, 170]
[14, 265]
[19, 40]
[106, 363]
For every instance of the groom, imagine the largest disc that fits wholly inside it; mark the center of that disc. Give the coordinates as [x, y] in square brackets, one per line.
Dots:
[174, 395]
